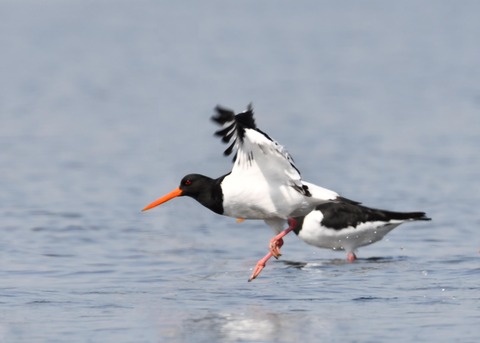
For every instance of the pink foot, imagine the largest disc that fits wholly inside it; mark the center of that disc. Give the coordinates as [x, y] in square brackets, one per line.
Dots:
[275, 245]
[259, 267]
[277, 241]
[351, 257]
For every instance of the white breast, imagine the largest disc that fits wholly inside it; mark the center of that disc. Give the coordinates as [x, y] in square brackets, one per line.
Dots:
[252, 196]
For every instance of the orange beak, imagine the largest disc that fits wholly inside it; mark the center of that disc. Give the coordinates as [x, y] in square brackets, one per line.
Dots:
[173, 194]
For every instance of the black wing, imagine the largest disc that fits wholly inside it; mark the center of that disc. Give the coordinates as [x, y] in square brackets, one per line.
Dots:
[340, 215]
[235, 125]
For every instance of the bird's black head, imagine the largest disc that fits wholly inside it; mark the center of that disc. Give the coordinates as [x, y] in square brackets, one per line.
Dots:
[193, 185]
[205, 190]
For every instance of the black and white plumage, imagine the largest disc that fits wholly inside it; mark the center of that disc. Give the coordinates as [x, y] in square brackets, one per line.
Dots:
[264, 182]
[346, 226]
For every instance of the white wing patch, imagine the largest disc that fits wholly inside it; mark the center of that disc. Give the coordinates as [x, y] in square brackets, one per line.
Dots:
[264, 182]
[268, 157]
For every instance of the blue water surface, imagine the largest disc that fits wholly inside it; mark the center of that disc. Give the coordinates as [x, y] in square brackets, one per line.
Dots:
[105, 105]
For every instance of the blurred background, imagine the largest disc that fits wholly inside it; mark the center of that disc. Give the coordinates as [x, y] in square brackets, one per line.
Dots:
[105, 105]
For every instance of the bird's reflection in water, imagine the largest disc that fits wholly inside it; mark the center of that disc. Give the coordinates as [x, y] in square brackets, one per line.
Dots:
[342, 265]
[339, 262]
[256, 324]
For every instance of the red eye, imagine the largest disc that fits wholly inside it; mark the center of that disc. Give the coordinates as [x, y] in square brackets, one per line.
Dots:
[188, 182]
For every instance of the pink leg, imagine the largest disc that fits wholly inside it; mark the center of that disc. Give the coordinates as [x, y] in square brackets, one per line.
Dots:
[277, 241]
[351, 257]
[260, 265]
[275, 245]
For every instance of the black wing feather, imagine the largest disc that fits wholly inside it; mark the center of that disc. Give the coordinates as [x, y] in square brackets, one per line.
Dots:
[235, 130]
[340, 215]
[225, 131]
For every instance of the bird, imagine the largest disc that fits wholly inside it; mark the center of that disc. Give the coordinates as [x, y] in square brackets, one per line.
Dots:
[264, 182]
[347, 226]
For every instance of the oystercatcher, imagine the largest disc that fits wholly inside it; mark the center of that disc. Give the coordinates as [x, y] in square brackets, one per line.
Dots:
[264, 182]
[347, 226]
[344, 226]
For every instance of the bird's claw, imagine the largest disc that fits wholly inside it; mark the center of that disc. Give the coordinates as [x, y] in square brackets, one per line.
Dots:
[258, 269]
[274, 247]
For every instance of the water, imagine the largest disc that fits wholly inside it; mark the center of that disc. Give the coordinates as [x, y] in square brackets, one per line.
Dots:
[104, 106]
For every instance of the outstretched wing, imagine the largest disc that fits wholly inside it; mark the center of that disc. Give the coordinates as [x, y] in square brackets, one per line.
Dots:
[255, 151]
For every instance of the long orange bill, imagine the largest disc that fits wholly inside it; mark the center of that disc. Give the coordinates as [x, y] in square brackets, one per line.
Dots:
[173, 194]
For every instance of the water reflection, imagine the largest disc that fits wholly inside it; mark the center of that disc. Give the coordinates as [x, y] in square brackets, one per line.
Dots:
[341, 262]
[255, 324]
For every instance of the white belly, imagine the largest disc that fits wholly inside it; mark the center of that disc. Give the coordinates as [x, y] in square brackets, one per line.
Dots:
[347, 239]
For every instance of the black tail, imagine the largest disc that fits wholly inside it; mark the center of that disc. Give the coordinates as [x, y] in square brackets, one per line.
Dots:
[339, 215]
[406, 215]
[344, 204]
